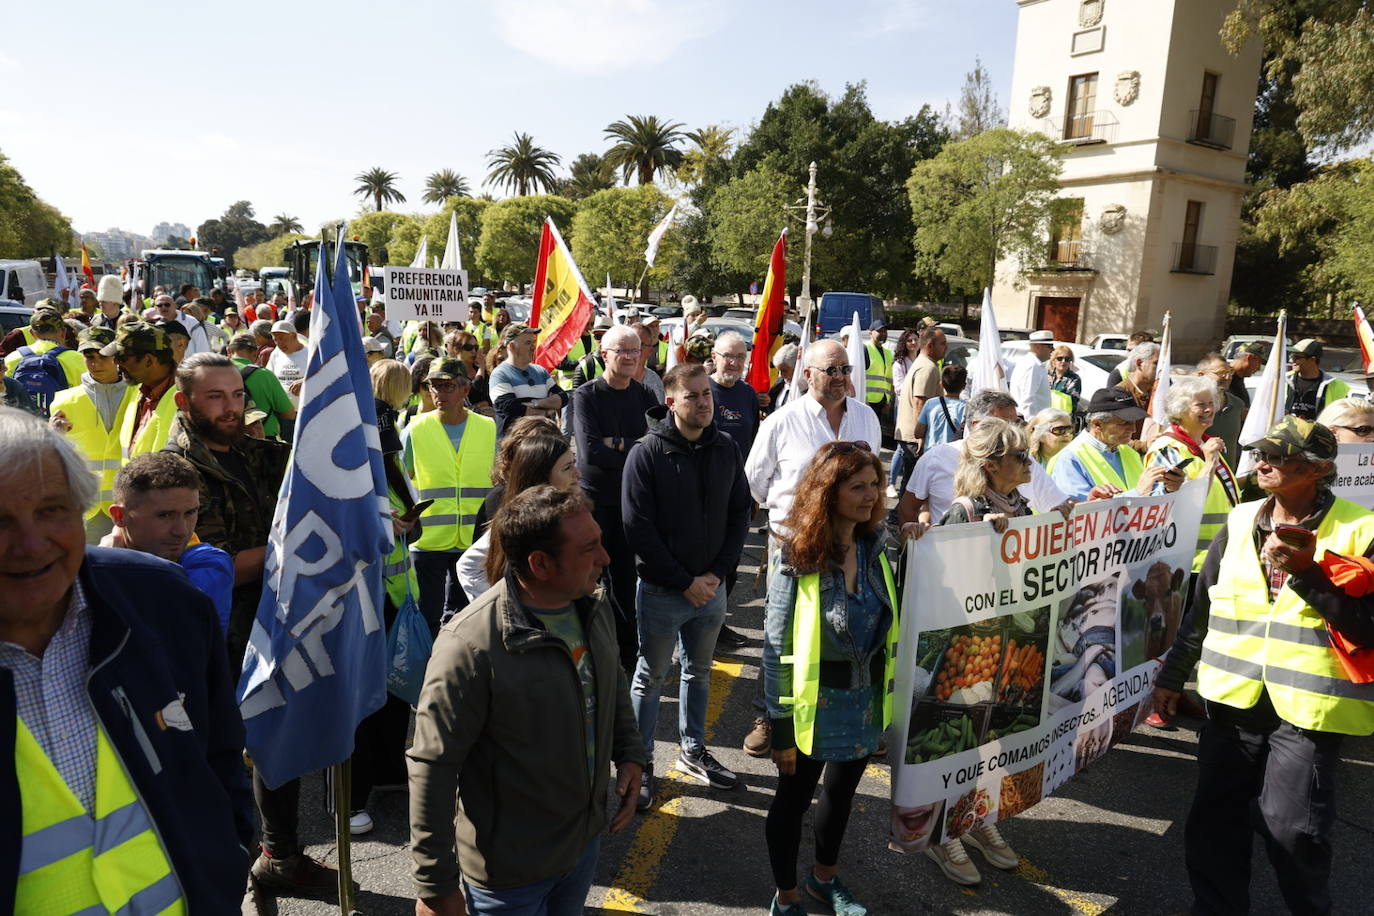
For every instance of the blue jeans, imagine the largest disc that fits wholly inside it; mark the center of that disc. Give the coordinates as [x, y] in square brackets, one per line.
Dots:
[667, 618]
[564, 895]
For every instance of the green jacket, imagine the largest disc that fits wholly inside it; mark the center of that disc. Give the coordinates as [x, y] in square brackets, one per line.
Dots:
[232, 517]
[500, 723]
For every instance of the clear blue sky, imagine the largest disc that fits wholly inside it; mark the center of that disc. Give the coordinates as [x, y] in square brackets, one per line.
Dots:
[171, 111]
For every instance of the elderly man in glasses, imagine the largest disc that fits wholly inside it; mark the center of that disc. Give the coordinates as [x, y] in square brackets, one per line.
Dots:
[1231, 409]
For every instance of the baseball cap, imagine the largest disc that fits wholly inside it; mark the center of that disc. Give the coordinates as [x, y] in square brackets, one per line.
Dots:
[283, 327]
[174, 329]
[1116, 401]
[231, 311]
[1306, 347]
[1294, 435]
[138, 337]
[94, 339]
[699, 347]
[603, 322]
[253, 414]
[878, 326]
[447, 368]
[45, 320]
[373, 345]
[1256, 347]
[513, 331]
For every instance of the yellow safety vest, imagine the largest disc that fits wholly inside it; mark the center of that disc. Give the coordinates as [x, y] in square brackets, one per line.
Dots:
[73, 861]
[1283, 647]
[73, 363]
[878, 375]
[155, 432]
[1331, 389]
[575, 353]
[1218, 504]
[805, 658]
[1061, 400]
[1098, 469]
[98, 445]
[398, 573]
[456, 482]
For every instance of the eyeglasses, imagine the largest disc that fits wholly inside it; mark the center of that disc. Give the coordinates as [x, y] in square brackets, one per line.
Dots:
[447, 387]
[732, 357]
[621, 351]
[1277, 461]
[1221, 376]
[843, 447]
[1063, 359]
[1361, 431]
[467, 346]
[832, 371]
[1061, 430]
[1023, 457]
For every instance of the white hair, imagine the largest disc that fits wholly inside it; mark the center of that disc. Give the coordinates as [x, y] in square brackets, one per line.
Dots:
[620, 335]
[1183, 390]
[786, 356]
[25, 440]
[730, 337]
[1139, 353]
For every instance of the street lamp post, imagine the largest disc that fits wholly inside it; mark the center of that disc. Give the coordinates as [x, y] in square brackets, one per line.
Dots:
[815, 211]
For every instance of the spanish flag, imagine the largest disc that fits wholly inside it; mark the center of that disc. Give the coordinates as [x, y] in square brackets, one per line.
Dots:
[1366, 338]
[86, 266]
[562, 301]
[768, 320]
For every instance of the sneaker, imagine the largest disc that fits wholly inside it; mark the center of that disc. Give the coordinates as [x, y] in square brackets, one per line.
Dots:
[759, 741]
[702, 766]
[835, 895]
[296, 876]
[988, 840]
[785, 909]
[360, 822]
[892, 491]
[646, 790]
[955, 863]
[731, 639]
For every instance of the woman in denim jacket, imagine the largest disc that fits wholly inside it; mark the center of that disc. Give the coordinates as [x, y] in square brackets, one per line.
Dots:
[831, 583]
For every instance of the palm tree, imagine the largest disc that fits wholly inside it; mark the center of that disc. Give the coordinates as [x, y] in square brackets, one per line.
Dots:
[713, 144]
[522, 165]
[380, 185]
[444, 184]
[283, 223]
[590, 173]
[646, 146]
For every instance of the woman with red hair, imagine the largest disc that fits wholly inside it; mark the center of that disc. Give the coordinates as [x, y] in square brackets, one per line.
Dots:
[829, 654]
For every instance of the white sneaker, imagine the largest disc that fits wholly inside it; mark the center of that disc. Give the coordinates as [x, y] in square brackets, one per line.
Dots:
[955, 863]
[892, 492]
[360, 823]
[988, 840]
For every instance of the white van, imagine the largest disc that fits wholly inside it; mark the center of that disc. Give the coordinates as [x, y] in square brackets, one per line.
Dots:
[23, 282]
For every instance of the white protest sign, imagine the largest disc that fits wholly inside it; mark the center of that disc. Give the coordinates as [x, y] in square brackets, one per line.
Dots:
[1025, 655]
[1355, 473]
[426, 294]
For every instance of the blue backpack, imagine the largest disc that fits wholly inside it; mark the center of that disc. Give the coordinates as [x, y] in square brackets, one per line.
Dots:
[41, 374]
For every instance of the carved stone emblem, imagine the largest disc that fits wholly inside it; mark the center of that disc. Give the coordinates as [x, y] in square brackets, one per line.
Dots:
[1040, 101]
[1090, 13]
[1127, 86]
[1113, 219]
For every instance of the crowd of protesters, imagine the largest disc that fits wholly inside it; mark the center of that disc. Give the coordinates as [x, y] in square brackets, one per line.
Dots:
[565, 532]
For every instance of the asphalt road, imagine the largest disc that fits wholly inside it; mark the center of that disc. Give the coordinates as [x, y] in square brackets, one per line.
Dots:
[1110, 841]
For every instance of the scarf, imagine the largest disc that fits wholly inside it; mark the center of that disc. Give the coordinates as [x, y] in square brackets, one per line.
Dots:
[1219, 468]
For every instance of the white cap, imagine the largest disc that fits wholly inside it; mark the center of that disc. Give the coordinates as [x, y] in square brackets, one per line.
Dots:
[284, 327]
[373, 345]
[1042, 337]
[110, 289]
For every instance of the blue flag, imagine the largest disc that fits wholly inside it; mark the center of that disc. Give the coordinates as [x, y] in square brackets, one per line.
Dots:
[315, 665]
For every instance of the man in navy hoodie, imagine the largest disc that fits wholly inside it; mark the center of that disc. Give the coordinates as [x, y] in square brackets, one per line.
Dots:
[685, 503]
[122, 784]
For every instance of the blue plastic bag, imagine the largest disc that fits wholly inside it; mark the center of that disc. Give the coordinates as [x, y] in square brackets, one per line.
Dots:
[408, 645]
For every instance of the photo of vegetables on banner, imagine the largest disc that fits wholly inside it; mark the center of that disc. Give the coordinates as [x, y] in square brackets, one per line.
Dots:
[1026, 654]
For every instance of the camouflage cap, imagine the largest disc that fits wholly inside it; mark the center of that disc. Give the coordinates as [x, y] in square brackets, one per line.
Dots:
[1294, 435]
[447, 368]
[252, 413]
[138, 337]
[94, 339]
[699, 347]
[513, 331]
[50, 305]
[45, 321]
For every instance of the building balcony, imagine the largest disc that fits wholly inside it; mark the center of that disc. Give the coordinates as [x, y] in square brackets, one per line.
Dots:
[1194, 259]
[1211, 130]
[1084, 129]
[1067, 254]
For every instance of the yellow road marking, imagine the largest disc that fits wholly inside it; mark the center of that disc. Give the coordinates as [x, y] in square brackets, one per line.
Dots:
[640, 867]
[1039, 877]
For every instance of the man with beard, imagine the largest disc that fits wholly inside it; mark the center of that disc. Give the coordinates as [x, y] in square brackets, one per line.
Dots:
[239, 481]
[144, 354]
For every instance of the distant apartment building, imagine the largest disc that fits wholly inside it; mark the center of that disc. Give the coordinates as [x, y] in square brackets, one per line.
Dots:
[1155, 117]
[163, 231]
[116, 244]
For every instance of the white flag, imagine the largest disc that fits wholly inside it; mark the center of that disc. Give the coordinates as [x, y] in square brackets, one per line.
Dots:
[794, 390]
[987, 371]
[422, 253]
[656, 236]
[608, 305]
[1267, 406]
[453, 255]
[857, 375]
[1158, 412]
[60, 280]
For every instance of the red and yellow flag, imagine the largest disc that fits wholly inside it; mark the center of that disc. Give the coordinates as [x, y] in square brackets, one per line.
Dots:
[1366, 339]
[562, 301]
[86, 265]
[768, 320]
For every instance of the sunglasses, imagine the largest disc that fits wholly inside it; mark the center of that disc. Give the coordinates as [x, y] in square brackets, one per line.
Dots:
[1277, 461]
[843, 447]
[1061, 430]
[445, 387]
[468, 347]
[1063, 359]
[1361, 431]
[1023, 457]
[832, 371]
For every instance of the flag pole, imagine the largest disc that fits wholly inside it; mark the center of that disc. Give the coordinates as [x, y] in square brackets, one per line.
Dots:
[640, 285]
[343, 778]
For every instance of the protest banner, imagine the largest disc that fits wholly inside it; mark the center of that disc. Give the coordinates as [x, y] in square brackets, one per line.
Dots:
[425, 294]
[1355, 473]
[1025, 655]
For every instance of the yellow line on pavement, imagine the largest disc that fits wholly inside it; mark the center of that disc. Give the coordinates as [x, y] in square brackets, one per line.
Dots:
[640, 867]
[1038, 876]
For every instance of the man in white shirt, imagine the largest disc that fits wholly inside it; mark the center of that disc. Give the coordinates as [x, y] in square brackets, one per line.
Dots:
[1030, 383]
[287, 362]
[930, 491]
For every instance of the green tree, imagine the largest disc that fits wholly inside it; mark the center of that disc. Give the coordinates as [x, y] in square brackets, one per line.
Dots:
[644, 146]
[744, 219]
[29, 226]
[590, 173]
[612, 228]
[378, 230]
[405, 241]
[509, 245]
[710, 158]
[268, 253]
[283, 223]
[977, 109]
[522, 166]
[694, 270]
[379, 185]
[469, 211]
[234, 229]
[981, 200]
[444, 184]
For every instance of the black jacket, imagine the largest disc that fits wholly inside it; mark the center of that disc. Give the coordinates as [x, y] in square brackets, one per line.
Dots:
[155, 639]
[685, 505]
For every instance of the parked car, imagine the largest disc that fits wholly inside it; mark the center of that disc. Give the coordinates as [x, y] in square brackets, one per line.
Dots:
[13, 315]
[1232, 344]
[836, 311]
[1110, 342]
[744, 314]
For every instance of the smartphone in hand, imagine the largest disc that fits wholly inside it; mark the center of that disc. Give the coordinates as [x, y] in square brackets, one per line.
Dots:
[416, 510]
[1295, 535]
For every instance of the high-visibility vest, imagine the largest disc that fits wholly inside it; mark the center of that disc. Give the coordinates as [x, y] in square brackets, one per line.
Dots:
[75, 861]
[457, 482]
[1061, 400]
[1218, 504]
[1096, 463]
[1282, 647]
[398, 573]
[98, 445]
[878, 375]
[663, 353]
[1331, 389]
[485, 334]
[575, 353]
[73, 363]
[805, 658]
[156, 430]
